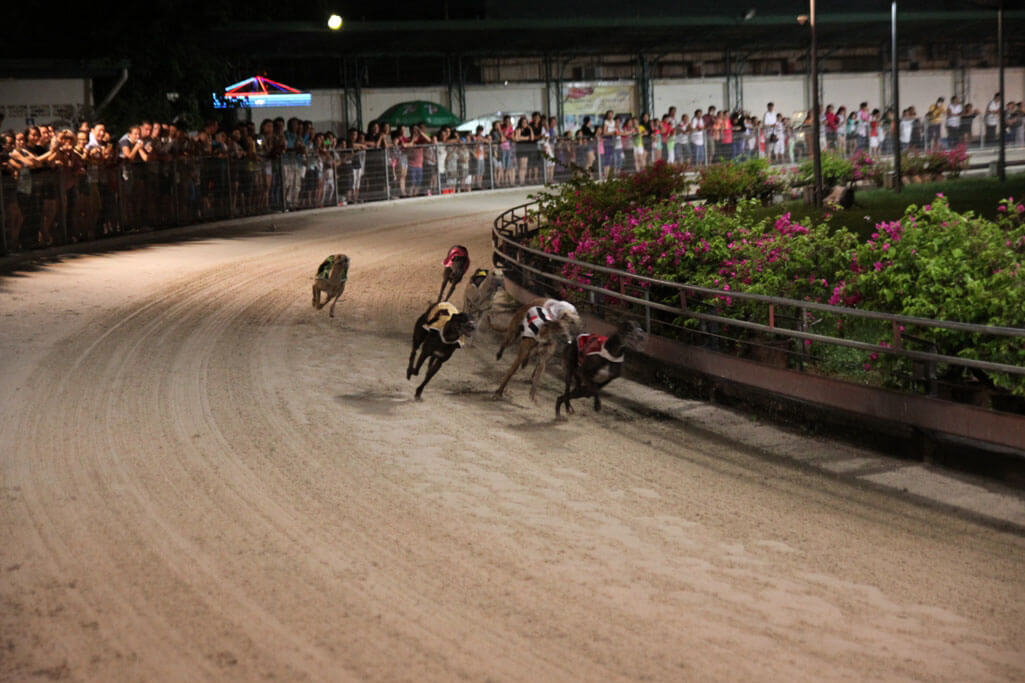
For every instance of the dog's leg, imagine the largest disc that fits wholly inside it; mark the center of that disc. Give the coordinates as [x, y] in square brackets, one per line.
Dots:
[331, 311]
[316, 297]
[419, 334]
[432, 368]
[526, 345]
[569, 361]
[539, 371]
[444, 281]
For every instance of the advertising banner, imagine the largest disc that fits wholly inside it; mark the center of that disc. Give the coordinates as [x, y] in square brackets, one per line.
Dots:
[594, 99]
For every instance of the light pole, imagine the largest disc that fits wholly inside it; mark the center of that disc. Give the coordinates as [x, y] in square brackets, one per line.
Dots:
[1001, 160]
[897, 181]
[816, 148]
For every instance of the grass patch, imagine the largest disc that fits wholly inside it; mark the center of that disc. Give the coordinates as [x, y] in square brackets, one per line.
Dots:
[979, 195]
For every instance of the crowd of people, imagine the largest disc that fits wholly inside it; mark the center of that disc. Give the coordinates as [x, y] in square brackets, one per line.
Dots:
[86, 182]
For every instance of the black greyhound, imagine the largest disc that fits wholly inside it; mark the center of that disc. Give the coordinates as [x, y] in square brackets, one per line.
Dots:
[440, 330]
[456, 264]
[592, 361]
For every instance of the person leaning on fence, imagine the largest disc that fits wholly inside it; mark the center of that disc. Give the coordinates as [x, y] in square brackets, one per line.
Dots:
[992, 120]
[498, 167]
[934, 124]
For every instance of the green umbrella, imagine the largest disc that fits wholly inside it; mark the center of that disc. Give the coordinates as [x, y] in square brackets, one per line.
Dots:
[408, 113]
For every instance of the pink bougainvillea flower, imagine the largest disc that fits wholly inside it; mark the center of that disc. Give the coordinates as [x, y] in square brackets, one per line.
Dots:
[1002, 208]
[878, 265]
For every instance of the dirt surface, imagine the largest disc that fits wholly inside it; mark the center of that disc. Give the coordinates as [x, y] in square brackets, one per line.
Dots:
[205, 479]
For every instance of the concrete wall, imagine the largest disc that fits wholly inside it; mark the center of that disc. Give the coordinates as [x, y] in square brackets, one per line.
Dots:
[852, 89]
[786, 92]
[687, 95]
[44, 100]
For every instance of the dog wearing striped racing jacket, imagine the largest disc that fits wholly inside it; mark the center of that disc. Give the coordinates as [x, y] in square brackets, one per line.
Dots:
[543, 326]
[592, 361]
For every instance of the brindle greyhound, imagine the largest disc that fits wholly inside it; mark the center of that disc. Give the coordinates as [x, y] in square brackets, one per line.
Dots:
[456, 264]
[479, 296]
[592, 361]
[440, 330]
[331, 278]
[544, 326]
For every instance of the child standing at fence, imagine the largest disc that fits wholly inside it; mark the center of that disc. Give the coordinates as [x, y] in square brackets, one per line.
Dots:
[875, 134]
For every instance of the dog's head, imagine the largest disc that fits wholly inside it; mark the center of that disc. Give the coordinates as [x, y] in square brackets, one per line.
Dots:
[633, 335]
[463, 323]
[570, 319]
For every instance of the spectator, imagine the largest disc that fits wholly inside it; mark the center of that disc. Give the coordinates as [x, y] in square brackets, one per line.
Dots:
[639, 133]
[697, 138]
[497, 137]
[934, 124]
[773, 123]
[525, 148]
[993, 120]
[967, 120]
[954, 112]
[875, 135]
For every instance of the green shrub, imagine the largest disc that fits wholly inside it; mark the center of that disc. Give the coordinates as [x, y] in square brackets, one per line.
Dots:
[836, 170]
[729, 182]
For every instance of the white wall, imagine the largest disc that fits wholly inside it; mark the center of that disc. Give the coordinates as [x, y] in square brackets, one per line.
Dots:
[687, 95]
[516, 97]
[982, 83]
[44, 100]
[786, 92]
[920, 89]
[852, 89]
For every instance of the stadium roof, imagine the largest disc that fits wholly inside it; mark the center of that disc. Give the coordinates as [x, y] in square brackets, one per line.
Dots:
[531, 33]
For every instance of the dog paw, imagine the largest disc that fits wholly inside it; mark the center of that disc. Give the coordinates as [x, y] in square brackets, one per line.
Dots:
[418, 398]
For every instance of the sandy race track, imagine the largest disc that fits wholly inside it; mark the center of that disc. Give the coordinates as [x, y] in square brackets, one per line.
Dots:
[204, 479]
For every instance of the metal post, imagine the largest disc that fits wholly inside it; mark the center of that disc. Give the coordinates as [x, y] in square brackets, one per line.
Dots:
[437, 167]
[815, 106]
[386, 153]
[231, 192]
[647, 311]
[897, 182]
[281, 182]
[491, 164]
[1002, 130]
[4, 248]
[176, 191]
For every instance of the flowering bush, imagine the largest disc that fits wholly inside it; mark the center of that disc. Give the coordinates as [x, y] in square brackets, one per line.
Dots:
[937, 263]
[933, 262]
[729, 182]
[871, 170]
[951, 161]
[836, 170]
[582, 205]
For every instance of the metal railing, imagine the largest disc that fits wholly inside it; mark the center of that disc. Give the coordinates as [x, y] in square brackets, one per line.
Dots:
[791, 333]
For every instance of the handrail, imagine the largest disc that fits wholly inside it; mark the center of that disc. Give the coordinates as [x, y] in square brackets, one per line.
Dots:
[501, 238]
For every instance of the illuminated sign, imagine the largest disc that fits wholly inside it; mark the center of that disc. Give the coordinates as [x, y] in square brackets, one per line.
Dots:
[260, 92]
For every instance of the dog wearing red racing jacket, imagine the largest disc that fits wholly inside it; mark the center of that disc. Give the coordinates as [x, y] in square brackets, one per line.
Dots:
[593, 361]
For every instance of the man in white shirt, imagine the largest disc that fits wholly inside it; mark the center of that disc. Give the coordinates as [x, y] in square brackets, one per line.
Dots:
[773, 124]
[993, 120]
[954, 122]
[697, 137]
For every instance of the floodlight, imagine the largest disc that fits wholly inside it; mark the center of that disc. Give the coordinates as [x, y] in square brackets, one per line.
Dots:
[334, 22]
